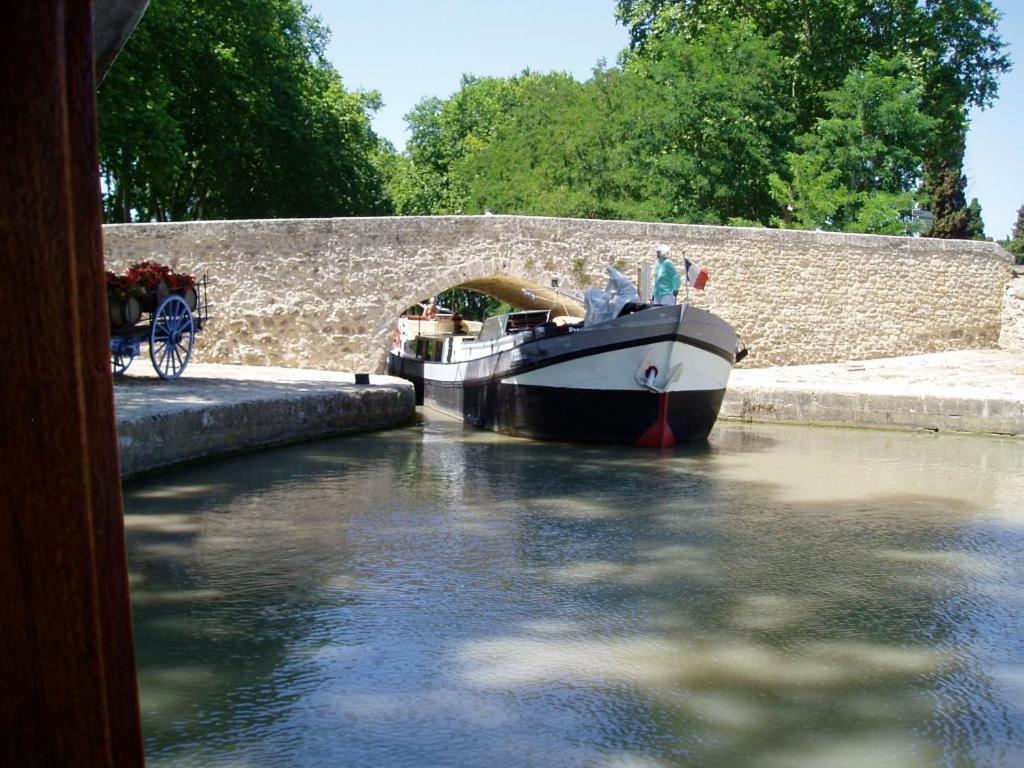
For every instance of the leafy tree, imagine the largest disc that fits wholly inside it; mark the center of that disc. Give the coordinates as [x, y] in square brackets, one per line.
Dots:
[817, 39]
[472, 305]
[539, 160]
[690, 133]
[715, 122]
[228, 109]
[857, 169]
[443, 132]
[411, 189]
[954, 42]
[953, 45]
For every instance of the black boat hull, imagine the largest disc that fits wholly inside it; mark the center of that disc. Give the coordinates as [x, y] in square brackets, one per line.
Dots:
[581, 415]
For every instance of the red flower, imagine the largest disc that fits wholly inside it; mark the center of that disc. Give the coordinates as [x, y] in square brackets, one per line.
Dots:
[119, 288]
[149, 274]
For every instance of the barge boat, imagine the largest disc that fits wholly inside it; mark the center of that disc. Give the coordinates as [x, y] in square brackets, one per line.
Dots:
[626, 372]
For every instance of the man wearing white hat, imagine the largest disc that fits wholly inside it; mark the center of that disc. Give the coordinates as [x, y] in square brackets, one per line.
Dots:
[666, 277]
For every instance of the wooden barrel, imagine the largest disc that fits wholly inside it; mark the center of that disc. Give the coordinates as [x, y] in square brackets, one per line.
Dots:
[190, 297]
[154, 296]
[124, 313]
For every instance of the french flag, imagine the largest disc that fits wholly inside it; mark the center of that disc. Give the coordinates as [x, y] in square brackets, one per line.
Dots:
[696, 277]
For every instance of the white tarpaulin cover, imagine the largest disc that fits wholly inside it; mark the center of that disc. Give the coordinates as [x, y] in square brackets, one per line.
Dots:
[606, 305]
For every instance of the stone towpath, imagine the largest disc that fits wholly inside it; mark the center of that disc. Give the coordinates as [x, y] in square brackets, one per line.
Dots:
[218, 409]
[968, 391]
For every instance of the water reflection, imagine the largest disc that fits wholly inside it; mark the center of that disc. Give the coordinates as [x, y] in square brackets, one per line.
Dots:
[436, 596]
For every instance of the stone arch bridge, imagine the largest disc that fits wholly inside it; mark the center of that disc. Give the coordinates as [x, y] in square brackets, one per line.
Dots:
[325, 293]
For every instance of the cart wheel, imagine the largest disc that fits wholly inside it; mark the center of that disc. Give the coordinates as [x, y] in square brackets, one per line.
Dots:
[121, 361]
[172, 337]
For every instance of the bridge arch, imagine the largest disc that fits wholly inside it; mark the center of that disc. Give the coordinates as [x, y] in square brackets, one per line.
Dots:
[324, 293]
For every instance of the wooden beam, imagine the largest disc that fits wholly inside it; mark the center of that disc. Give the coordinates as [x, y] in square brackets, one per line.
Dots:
[68, 691]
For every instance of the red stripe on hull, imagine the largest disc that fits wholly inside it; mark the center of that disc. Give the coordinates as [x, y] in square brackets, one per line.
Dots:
[659, 435]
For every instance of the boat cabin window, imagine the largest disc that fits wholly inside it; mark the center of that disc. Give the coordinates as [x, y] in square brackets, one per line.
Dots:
[512, 322]
[429, 349]
[492, 328]
[525, 321]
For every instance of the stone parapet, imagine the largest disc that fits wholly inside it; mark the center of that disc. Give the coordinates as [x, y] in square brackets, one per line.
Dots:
[325, 293]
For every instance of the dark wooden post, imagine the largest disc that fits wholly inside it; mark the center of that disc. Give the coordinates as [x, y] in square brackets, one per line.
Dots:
[67, 667]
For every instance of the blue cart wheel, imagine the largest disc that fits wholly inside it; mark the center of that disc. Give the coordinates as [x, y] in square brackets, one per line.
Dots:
[121, 361]
[172, 337]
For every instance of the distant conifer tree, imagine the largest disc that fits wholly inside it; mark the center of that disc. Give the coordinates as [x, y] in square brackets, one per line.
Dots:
[975, 223]
[949, 206]
[1015, 244]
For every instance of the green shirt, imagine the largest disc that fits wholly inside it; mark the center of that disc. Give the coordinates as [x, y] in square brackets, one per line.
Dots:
[666, 278]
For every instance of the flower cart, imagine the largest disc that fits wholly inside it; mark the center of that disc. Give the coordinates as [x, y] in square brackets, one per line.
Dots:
[153, 303]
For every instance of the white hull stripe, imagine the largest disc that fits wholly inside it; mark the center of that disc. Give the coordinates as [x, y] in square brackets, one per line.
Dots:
[674, 365]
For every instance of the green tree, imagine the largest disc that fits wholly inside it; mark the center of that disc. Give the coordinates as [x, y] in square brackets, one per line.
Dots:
[953, 45]
[975, 224]
[949, 204]
[718, 123]
[228, 109]
[1015, 244]
[443, 132]
[689, 133]
[856, 171]
[538, 160]
[472, 305]
[411, 190]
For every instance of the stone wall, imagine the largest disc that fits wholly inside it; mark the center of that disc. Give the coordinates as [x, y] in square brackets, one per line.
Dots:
[325, 293]
[1011, 334]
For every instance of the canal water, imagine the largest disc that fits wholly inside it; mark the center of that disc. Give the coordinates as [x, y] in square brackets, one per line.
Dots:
[781, 596]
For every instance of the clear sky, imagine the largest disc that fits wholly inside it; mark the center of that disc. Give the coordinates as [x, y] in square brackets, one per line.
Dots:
[410, 49]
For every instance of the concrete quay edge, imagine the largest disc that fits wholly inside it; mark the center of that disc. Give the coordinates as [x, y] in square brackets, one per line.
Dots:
[218, 410]
[974, 391]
